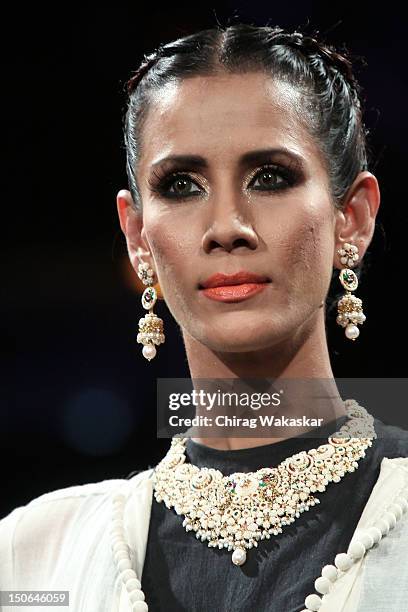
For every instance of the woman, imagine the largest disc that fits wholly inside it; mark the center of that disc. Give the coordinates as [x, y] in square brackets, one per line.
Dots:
[248, 184]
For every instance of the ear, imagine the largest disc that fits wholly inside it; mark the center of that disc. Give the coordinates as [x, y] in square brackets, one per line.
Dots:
[131, 223]
[356, 222]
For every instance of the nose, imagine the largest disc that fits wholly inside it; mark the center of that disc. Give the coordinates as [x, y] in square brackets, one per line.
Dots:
[229, 230]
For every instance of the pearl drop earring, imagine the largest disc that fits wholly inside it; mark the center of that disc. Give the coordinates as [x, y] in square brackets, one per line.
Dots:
[150, 326]
[350, 312]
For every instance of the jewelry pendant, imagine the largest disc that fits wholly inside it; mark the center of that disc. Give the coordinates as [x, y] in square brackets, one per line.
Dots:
[150, 326]
[239, 556]
[150, 333]
[149, 298]
[238, 510]
[349, 307]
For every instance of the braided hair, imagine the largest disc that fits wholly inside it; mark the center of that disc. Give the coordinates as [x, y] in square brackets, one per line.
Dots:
[331, 95]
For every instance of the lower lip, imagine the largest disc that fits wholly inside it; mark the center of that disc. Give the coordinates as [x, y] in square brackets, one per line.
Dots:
[234, 293]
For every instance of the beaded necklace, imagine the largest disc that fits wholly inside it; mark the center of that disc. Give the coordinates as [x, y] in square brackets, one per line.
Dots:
[237, 511]
[360, 544]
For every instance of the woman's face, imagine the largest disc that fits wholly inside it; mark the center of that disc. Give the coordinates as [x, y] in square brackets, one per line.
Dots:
[229, 213]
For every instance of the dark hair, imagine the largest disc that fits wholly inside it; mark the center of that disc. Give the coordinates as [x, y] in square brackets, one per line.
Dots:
[332, 99]
[332, 106]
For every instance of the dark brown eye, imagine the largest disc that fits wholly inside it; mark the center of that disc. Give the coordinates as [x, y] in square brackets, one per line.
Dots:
[268, 179]
[177, 185]
[181, 185]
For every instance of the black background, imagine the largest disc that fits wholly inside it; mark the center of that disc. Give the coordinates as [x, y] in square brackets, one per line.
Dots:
[79, 400]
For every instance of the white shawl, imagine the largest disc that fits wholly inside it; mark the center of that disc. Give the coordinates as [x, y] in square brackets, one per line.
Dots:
[61, 541]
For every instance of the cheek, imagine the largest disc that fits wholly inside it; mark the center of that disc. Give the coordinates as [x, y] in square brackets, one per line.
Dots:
[166, 254]
[172, 253]
[305, 254]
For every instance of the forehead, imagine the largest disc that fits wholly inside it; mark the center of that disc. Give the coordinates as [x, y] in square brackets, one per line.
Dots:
[222, 115]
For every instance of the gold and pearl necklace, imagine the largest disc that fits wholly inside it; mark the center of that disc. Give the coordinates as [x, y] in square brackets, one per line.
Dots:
[238, 510]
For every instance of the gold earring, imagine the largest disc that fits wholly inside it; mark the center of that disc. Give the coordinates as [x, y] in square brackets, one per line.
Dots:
[150, 326]
[349, 307]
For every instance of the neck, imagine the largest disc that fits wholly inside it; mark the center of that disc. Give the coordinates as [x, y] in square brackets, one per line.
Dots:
[304, 355]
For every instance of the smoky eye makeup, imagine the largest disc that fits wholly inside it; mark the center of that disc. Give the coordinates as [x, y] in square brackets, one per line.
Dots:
[161, 181]
[171, 181]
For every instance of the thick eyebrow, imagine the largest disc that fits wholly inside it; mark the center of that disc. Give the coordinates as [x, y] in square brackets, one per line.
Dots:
[260, 156]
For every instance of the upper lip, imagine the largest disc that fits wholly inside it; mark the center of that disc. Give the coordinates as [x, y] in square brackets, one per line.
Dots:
[221, 280]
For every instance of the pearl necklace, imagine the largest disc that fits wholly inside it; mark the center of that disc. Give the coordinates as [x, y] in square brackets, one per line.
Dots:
[237, 511]
[360, 544]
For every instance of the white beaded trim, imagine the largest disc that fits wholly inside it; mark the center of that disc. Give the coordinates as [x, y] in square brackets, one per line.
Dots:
[360, 544]
[120, 550]
[362, 541]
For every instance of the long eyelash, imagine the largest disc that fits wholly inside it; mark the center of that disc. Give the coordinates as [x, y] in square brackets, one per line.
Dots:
[287, 173]
[162, 179]
[157, 182]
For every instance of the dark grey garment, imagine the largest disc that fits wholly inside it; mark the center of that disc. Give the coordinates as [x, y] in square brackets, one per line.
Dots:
[182, 574]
